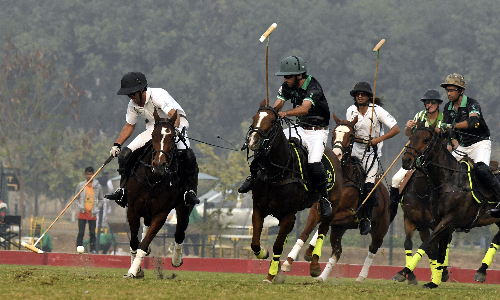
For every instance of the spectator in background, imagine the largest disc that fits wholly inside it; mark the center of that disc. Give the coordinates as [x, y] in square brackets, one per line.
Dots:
[88, 202]
[3, 210]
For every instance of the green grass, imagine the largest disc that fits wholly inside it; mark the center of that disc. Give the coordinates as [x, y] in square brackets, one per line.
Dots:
[44, 282]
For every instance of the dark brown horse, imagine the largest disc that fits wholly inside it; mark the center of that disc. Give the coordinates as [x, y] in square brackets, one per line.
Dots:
[353, 179]
[280, 189]
[454, 205]
[152, 192]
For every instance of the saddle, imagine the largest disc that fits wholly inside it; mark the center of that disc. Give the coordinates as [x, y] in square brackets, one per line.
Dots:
[301, 154]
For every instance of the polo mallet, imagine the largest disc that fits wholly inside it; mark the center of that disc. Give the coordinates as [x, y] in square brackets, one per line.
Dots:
[262, 38]
[35, 249]
[380, 180]
[376, 49]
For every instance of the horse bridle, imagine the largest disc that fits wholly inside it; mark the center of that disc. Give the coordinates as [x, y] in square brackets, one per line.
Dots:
[170, 155]
[269, 137]
[420, 160]
[338, 144]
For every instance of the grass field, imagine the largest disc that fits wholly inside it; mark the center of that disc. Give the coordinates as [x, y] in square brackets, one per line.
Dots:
[43, 282]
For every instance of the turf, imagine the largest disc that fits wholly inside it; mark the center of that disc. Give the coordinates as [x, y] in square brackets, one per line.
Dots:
[45, 282]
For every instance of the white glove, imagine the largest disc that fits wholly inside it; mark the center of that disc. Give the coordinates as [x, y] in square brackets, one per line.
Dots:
[115, 150]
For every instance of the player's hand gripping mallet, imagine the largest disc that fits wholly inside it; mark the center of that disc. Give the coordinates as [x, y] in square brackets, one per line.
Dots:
[262, 38]
[35, 249]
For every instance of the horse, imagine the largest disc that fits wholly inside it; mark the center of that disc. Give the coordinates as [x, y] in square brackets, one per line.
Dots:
[280, 188]
[152, 192]
[353, 179]
[454, 202]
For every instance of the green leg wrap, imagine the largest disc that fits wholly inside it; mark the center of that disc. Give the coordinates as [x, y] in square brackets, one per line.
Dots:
[319, 244]
[261, 254]
[488, 258]
[275, 263]
[415, 259]
[408, 256]
[437, 274]
[445, 264]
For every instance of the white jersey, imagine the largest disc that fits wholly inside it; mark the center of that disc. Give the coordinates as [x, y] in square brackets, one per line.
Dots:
[362, 127]
[155, 98]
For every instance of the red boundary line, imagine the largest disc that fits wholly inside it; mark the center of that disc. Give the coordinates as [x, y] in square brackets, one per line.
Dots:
[225, 265]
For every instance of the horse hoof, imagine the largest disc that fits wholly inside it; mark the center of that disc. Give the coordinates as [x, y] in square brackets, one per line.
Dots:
[266, 281]
[399, 277]
[280, 278]
[318, 280]
[315, 272]
[176, 266]
[128, 276]
[445, 276]
[140, 274]
[412, 279]
[480, 277]
[360, 279]
[308, 257]
[286, 267]
[430, 285]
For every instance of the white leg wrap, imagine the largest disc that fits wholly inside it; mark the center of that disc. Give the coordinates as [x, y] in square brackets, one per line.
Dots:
[144, 231]
[328, 268]
[132, 255]
[296, 249]
[366, 265]
[137, 262]
[177, 256]
[313, 240]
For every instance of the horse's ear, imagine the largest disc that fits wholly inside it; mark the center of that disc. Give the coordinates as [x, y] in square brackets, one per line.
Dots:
[418, 124]
[335, 118]
[174, 117]
[156, 116]
[263, 103]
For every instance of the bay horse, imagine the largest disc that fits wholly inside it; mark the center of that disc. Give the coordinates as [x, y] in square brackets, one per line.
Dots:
[153, 191]
[454, 202]
[353, 179]
[280, 188]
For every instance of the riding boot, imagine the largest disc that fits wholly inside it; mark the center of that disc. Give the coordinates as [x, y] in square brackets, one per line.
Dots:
[319, 181]
[395, 199]
[188, 170]
[248, 183]
[489, 179]
[367, 209]
[119, 195]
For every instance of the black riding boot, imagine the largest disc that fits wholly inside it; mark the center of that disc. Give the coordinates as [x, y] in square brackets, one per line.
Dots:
[119, 195]
[367, 209]
[188, 170]
[395, 199]
[248, 183]
[319, 182]
[489, 179]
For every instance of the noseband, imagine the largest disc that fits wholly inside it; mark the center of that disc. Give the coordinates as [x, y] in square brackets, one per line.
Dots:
[269, 137]
[421, 159]
[338, 144]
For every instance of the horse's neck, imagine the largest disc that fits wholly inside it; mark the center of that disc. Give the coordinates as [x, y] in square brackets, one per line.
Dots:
[443, 167]
[279, 152]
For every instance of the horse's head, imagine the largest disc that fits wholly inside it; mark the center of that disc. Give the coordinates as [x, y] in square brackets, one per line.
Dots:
[419, 151]
[163, 141]
[343, 136]
[263, 127]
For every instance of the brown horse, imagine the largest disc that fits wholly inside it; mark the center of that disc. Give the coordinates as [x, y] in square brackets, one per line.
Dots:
[280, 189]
[353, 179]
[153, 191]
[454, 204]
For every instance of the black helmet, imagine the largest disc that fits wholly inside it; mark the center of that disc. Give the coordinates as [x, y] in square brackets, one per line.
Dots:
[132, 82]
[362, 87]
[432, 94]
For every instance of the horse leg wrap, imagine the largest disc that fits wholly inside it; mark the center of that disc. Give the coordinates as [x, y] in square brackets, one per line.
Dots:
[177, 256]
[415, 259]
[319, 245]
[437, 274]
[408, 256]
[275, 263]
[136, 264]
[262, 254]
[488, 257]
[432, 264]
[328, 268]
[296, 248]
[144, 231]
[133, 254]
[366, 266]
[445, 264]
[314, 238]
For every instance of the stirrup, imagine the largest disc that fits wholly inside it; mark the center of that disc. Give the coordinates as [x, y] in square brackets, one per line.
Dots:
[325, 206]
[364, 226]
[190, 198]
[118, 196]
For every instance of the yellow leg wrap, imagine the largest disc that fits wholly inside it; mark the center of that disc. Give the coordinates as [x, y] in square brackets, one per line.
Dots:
[437, 273]
[488, 257]
[319, 244]
[261, 254]
[432, 263]
[273, 269]
[408, 256]
[415, 259]
[445, 264]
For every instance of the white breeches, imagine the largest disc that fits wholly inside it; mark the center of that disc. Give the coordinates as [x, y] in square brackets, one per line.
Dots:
[145, 136]
[398, 178]
[313, 140]
[480, 151]
[366, 162]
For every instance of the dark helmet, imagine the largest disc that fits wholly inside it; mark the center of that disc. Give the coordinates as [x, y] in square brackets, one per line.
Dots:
[132, 82]
[362, 87]
[292, 65]
[432, 94]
